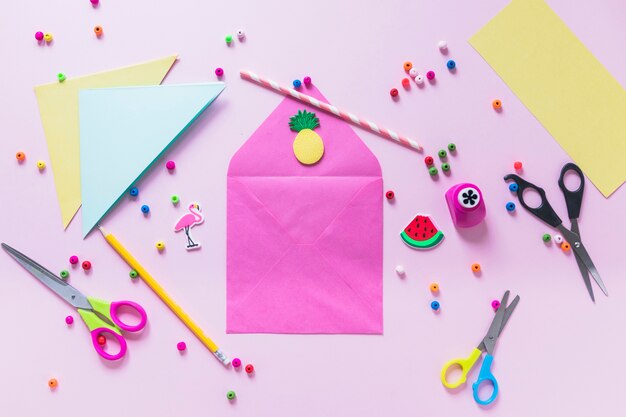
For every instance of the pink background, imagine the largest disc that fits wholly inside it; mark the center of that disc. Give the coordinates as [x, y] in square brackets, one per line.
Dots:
[559, 355]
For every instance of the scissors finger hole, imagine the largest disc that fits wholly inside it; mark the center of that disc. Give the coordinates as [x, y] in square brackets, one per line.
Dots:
[531, 197]
[109, 345]
[454, 375]
[485, 392]
[128, 317]
[572, 180]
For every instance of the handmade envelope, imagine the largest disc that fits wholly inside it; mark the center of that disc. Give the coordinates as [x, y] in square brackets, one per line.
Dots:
[304, 242]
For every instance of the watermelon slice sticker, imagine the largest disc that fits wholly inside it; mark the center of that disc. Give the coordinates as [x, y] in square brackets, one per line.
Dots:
[421, 233]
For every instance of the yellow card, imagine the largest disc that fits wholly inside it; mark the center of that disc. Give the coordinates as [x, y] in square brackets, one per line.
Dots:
[567, 89]
[58, 107]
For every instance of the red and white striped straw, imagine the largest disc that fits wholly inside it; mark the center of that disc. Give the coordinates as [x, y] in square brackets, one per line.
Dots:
[348, 117]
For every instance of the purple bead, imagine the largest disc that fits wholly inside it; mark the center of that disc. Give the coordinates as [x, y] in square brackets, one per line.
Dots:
[39, 36]
[495, 304]
[181, 346]
[236, 363]
[170, 165]
[73, 259]
[94, 2]
[430, 75]
[69, 320]
[307, 80]
[219, 72]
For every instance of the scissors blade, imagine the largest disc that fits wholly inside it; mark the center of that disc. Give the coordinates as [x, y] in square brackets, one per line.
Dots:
[581, 266]
[56, 284]
[581, 252]
[496, 325]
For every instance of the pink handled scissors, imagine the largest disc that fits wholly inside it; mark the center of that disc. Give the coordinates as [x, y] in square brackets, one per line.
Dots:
[100, 316]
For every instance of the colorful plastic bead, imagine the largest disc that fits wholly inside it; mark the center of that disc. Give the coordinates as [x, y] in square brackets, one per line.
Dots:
[228, 39]
[69, 320]
[565, 246]
[61, 77]
[39, 36]
[451, 64]
[249, 369]
[433, 171]
[400, 270]
[406, 83]
[390, 195]
[434, 287]
[53, 383]
[95, 2]
[510, 206]
[219, 72]
[558, 239]
[86, 265]
[435, 305]
[546, 237]
[73, 259]
[476, 268]
[451, 147]
[236, 363]
[497, 104]
[48, 37]
[134, 192]
[445, 167]
[495, 304]
[430, 75]
[429, 160]
[443, 45]
[181, 346]
[413, 73]
[442, 153]
[160, 245]
[175, 199]
[408, 65]
[101, 340]
[20, 156]
[297, 83]
[419, 80]
[231, 395]
[170, 165]
[241, 34]
[133, 273]
[145, 209]
[307, 80]
[41, 165]
[393, 92]
[518, 165]
[64, 274]
[513, 187]
[98, 30]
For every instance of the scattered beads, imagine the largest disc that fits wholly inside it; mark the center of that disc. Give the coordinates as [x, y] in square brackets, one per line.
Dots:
[64, 274]
[307, 80]
[20, 156]
[236, 363]
[41, 165]
[53, 383]
[406, 83]
[241, 34]
[73, 259]
[558, 239]
[297, 83]
[160, 245]
[408, 65]
[413, 73]
[510, 206]
[175, 199]
[476, 268]
[443, 45]
[445, 167]
[98, 31]
[429, 160]
[69, 320]
[430, 75]
[61, 77]
[249, 369]
[219, 72]
[102, 340]
[181, 346]
[546, 237]
[497, 104]
[451, 64]
[145, 209]
[513, 187]
[400, 270]
[48, 37]
[231, 395]
[517, 165]
[393, 92]
[435, 305]
[434, 287]
[451, 147]
[228, 39]
[39, 36]
[433, 171]
[170, 165]
[390, 195]
[133, 273]
[565, 246]
[134, 192]
[419, 80]
[495, 304]
[442, 153]
[86, 265]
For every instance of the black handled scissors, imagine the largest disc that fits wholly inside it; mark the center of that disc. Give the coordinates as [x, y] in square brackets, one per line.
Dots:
[546, 213]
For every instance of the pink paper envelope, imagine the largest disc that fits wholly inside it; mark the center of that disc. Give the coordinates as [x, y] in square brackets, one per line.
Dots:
[304, 245]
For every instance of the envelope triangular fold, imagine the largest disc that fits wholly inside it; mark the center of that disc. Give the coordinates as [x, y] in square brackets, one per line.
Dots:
[123, 131]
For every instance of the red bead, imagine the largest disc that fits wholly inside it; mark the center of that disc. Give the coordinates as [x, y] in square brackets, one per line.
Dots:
[517, 165]
[394, 92]
[406, 83]
[429, 160]
[249, 369]
[86, 265]
[102, 340]
[390, 195]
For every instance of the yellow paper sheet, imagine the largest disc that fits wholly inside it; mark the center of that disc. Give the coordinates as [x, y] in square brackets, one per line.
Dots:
[567, 89]
[58, 107]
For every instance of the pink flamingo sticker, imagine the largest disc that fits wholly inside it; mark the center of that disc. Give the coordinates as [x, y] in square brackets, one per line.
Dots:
[189, 220]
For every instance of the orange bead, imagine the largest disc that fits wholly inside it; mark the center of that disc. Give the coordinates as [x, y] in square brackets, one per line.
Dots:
[53, 383]
[20, 156]
[98, 31]
[497, 104]
[434, 287]
[565, 246]
[476, 267]
[408, 65]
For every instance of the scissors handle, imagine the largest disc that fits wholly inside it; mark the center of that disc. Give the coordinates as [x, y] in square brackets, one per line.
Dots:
[465, 364]
[109, 310]
[543, 211]
[573, 199]
[95, 333]
[485, 375]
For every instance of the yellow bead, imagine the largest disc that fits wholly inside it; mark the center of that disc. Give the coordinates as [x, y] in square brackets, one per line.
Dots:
[41, 165]
[47, 37]
[160, 245]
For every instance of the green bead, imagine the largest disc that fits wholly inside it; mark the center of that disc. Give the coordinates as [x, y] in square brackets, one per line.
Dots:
[231, 395]
[451, 147]
[445, 167]
[175, 199]
[229, 38]
[433, 171]
[133, 273]
[64, 274]
[61, 77]
[546, 237]
[442, 153]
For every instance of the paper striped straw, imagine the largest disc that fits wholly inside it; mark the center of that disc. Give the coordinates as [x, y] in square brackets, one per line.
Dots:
[347, 116]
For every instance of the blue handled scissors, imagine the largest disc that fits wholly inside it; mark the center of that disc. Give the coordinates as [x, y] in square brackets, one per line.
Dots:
[101, 317]
[486, 345]
[546, 213]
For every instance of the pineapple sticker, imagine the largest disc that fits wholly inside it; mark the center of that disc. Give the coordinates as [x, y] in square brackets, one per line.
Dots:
[308, 146]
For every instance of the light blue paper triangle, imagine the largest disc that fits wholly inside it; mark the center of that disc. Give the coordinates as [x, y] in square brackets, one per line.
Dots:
[123, 131]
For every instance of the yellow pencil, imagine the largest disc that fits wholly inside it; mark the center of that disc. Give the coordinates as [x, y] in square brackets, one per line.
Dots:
[156, 287]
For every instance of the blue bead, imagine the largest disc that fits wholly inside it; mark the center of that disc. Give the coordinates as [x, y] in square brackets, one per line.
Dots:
[145, 209]
[510, 206]
[451, 64]
[513, 187]
[297, 83]
[435, 305]
[134, 192]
